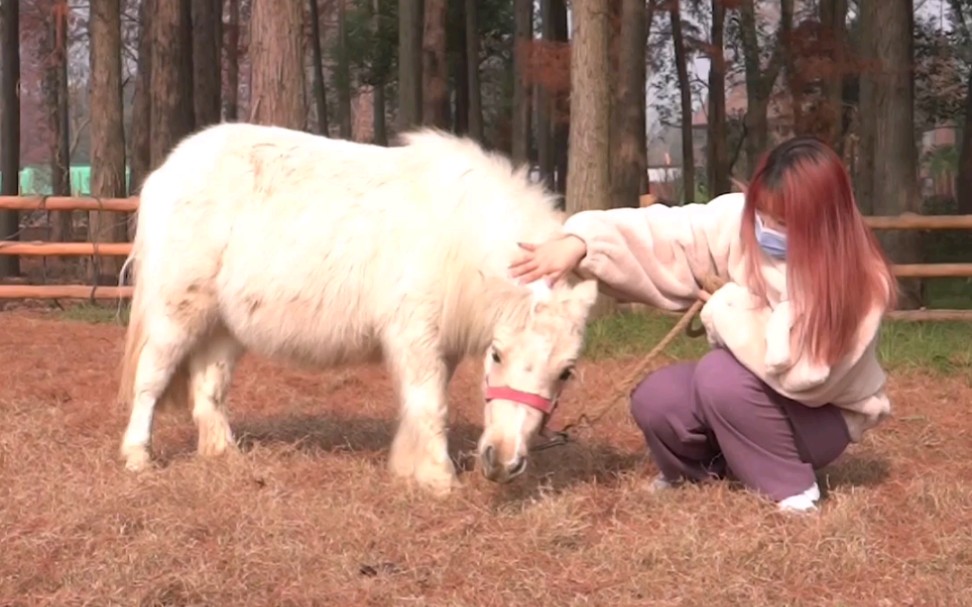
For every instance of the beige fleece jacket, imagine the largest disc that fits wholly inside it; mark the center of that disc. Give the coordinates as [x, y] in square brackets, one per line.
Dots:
[657, 255]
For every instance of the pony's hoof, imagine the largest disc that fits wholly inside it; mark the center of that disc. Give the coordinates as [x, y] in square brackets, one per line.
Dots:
[439, 481]
[215, 439]
[137, 459]
[440, 487]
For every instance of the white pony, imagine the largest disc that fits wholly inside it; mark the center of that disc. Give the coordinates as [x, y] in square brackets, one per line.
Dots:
[323, 252]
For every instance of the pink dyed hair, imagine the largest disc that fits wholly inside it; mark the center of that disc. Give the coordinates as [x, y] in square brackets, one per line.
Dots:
[836, 270]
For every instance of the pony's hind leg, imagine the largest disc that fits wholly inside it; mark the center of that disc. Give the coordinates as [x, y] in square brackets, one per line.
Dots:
[211, 371]
[420, 448]
[160, 364]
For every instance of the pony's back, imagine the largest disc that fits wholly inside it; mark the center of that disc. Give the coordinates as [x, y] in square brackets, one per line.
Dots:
[340, 233]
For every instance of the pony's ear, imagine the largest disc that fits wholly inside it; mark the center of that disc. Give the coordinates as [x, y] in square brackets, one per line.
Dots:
[581, 298]
[540, 290]
[540, 294]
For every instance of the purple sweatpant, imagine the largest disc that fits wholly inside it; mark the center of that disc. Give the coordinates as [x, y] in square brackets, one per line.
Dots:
[714, 418]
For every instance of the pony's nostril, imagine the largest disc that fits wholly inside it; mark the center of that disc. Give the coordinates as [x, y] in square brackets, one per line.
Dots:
[518, 467]
[489, 457]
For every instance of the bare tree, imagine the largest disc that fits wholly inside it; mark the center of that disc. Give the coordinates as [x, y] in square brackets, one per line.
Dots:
[522, 36]
[342, 76]
[795, 80]
[320, 88]
[833, 16]
[107, 132]
[718, 151]
[472, 71]
[276, 57]
[10, 128]
[56, 93]
[545, 113]
[629, 146]
[409, 64]
[207, 21]
[551, 130]
[171, 114]
[435, 68]
[459, 66]
[685, 90]
[141, 149]
[961, 11]
[381, 65]
[964, 193]
[232, 42]
[887, 36]
[759, 83]
[588, 177]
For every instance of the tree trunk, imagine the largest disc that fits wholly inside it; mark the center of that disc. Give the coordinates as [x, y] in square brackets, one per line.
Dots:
[277, 60]
[381, 78]
[171, 113]
[10, 130]
[685, 90]
[380, 126]
[545, 110]
[894, 179]
[630, 162]
[207, 21]
[56, 96]
[107, 134]
[141, 153]
[188, 71]
[794, 80]
[759, 84]
[588, 175]
[472, 72]
[460, 71]
[560, 129]
[718, 150]
[522, 36]
[343, 74]
[409, 64]
[965, 158]
[867, 121]
[833, 14]
[320, 90]
[232, 108]
[435, 68]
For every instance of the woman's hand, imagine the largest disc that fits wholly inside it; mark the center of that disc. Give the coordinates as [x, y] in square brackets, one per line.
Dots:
[551, 260]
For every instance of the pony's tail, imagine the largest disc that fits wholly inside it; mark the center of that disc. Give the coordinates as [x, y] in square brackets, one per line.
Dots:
[177, 394]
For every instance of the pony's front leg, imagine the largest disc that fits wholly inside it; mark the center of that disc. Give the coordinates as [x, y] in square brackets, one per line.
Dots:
[420, 449]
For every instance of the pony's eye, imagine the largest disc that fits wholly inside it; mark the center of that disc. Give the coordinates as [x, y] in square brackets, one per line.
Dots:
[566, 374]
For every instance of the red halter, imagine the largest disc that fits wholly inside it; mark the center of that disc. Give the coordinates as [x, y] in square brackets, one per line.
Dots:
[540, 403]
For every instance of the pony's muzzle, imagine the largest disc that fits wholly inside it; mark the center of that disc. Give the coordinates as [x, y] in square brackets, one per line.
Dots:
[500, 472]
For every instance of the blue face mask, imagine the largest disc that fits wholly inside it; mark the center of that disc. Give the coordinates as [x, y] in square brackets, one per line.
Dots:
[771, 241]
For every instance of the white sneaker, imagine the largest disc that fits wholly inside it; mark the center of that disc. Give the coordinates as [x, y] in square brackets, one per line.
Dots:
[802, 502]
[660, 483]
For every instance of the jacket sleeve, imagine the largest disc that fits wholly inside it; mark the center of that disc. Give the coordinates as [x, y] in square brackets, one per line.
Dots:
[658, 254]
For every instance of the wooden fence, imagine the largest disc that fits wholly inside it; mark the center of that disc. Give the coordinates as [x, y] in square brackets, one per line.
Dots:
[908, 221]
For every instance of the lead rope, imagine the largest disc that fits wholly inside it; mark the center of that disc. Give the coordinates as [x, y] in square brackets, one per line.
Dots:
[710, 284]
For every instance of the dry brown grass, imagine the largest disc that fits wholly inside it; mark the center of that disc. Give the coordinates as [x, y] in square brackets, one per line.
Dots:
[306, 514]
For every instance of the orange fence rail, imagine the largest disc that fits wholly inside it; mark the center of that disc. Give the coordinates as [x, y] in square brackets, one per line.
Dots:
[907, 221]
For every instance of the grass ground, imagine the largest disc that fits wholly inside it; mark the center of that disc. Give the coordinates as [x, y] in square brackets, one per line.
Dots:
[305, 514]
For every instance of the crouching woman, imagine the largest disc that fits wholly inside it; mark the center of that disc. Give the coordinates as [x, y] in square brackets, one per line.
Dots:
[793, 375]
